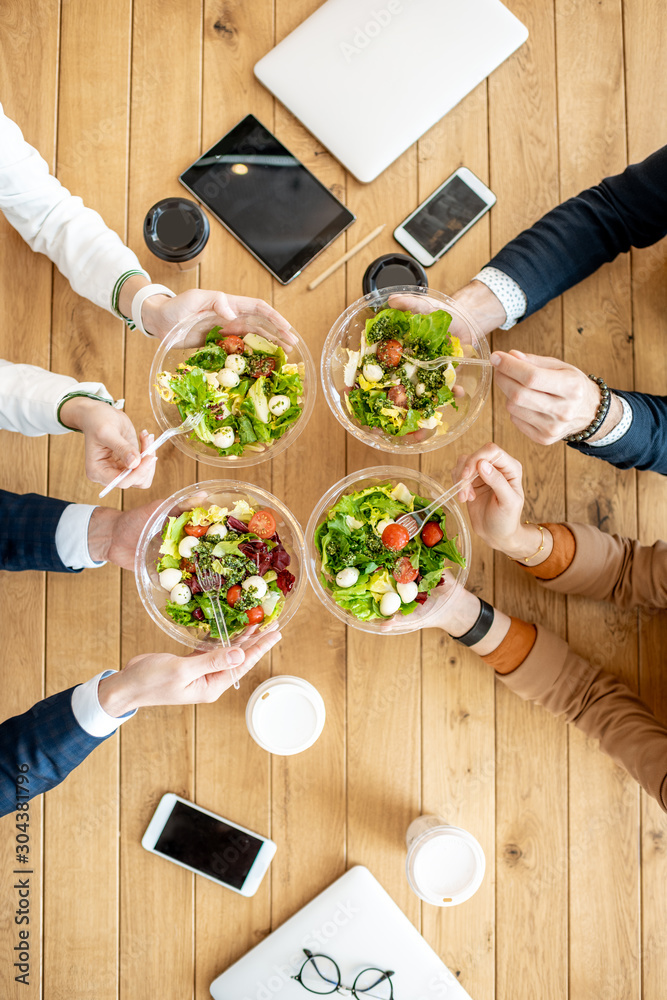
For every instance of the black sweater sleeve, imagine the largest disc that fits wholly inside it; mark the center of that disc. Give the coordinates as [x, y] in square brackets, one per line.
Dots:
[577, 237]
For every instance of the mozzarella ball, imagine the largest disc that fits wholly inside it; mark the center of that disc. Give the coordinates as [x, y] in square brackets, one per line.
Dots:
[212, 380]
[279, 405]
[390, 604]
[257, 584]
[347, 577]
[381, 525]
[180, 594]
[169, 578]
[228, 378]
[217, 529]
[421, 388]
[185, 547]
[236, 363]
[373, 373]
[408, 591]
[224, 438]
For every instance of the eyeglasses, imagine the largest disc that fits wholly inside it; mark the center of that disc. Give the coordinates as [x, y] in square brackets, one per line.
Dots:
[320, 974]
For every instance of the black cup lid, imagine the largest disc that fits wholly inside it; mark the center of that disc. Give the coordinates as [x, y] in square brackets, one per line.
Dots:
[393, 269]
[176, 229]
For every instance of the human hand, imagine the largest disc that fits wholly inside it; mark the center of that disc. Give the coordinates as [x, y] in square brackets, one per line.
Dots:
[160, 313]
[110, 442]
[548, 399]
[165, 679]
[482, 304]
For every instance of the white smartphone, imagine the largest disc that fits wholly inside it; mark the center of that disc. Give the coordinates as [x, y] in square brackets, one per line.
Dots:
[208, 845]
[445, 216]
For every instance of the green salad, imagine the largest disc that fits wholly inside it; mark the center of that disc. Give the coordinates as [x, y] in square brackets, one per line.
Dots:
[368, 564]
[247, 392]
[244, 558]
[385, 388]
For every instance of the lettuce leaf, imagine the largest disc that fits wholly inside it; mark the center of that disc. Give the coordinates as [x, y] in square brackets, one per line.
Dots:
[172, 534]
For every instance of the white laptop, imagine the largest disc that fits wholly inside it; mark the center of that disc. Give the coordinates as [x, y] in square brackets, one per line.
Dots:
[357, 924]
[369, 77]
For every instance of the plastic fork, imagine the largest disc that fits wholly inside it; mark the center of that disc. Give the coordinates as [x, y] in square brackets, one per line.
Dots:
[211, 582]
[188, 425]
[415, 521]
[431, 366]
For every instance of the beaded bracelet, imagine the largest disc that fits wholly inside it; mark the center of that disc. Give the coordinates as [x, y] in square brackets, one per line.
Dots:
[602, 411]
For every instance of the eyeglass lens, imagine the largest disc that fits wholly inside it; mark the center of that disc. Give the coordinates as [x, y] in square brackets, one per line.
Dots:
[373, 983]
[320, 975]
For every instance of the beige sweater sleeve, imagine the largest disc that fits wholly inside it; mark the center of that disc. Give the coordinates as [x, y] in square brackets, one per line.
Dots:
[597, 703]
[611, 568]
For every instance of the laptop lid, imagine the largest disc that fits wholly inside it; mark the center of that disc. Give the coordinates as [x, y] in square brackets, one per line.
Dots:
[369, 77]
[356, 923]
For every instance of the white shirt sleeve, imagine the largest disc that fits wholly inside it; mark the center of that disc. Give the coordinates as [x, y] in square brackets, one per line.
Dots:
[617, 432]
[72, 537]
[30, 397]
[89, 713]
[509, 293]
[54, 222]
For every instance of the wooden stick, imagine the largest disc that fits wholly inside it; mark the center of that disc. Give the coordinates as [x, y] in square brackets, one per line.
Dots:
[346, 256]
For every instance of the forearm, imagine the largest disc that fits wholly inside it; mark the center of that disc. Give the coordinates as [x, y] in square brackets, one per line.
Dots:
[30, 398]
[150, 308]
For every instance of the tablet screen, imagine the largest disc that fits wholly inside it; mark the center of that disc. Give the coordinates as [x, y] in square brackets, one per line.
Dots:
[267, 199]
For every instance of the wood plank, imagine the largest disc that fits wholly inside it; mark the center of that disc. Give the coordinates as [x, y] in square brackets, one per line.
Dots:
[308, 790]
[233, 775]
[458, 695]
[531, 748]
[25, 311]
[645, 36]
[604, 918]
[157, 748]
[384, 674]
[92, 145]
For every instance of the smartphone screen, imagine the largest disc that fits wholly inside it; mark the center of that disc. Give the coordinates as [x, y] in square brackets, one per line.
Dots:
[444, 216]
[210, 845]
[267, 198]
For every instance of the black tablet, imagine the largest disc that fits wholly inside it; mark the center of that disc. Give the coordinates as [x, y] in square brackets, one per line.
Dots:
[260, 192]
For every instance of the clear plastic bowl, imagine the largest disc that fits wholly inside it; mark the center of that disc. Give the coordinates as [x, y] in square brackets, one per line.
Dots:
[224, 494]
[423, 486]
[185, 338]
[346, 333]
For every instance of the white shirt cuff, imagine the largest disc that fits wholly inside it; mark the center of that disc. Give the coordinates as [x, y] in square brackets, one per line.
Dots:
[89, 713]
[509, 293]
[617, 432]
[72, 537]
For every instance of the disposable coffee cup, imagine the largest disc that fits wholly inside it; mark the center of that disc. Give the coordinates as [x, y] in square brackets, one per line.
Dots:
[285, 715]
[445, 864]
[176, 231]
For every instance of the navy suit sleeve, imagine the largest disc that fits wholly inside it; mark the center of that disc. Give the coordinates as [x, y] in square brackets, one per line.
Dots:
[577, 237]
[47, 739]
[28, 532]
[644, 446]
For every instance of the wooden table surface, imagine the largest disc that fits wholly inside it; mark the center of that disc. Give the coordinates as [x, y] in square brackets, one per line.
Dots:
[120, 96]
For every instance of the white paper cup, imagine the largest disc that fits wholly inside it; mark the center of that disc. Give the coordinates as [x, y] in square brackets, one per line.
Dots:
[445, 864]
[285, 715]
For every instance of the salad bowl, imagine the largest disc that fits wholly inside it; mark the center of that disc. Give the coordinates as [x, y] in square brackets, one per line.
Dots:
[374, 386]
[352, 508]
[257, 395]
[280, 561]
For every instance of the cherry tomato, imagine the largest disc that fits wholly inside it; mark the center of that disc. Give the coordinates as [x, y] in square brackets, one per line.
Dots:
[398, 396]
[255, 615]
[395, 537]
[263, 523]
[261, 366]
[432, 533]
[233, 594]
[232, 344]
[196, 530]
[404, 571]
[390, 352]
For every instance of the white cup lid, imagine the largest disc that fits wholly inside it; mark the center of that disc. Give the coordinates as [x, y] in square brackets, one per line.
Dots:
[446, 866]
[285, 715]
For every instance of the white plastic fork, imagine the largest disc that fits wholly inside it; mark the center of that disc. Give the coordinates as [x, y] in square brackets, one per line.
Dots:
[210, 582]
[415, 521]
[188, 425]
[445, 360]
